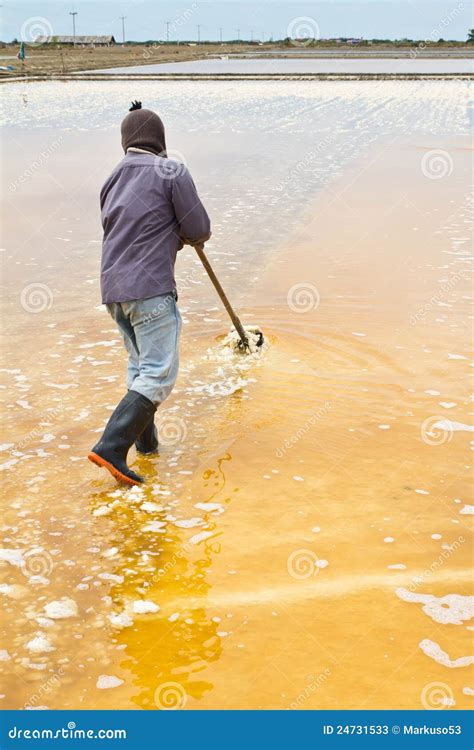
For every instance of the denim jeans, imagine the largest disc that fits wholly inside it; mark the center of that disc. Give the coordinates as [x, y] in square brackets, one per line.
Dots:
[150, 330]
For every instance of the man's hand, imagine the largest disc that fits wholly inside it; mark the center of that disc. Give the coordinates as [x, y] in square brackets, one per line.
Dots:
[192, 243]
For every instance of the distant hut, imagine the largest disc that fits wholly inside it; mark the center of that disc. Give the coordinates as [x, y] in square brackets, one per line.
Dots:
[85, 41]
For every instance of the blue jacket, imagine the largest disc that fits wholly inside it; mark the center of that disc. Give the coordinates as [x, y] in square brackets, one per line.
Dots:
[149, 209]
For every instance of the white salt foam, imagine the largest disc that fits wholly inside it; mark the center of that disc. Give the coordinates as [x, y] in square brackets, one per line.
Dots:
[120, 620]
[189, 523]
[12, 556]
[151, 507]
[452, 609]
[107, 681]
[155, 526]
[434, 651]
[448, 426]
[39, 645]
[197, 538]
[61, 609]
[143, 607]
[210, 507]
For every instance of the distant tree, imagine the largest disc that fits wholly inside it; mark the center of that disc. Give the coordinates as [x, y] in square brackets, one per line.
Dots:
[470, 36]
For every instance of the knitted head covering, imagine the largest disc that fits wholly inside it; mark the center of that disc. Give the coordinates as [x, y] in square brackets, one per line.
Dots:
[143, 128]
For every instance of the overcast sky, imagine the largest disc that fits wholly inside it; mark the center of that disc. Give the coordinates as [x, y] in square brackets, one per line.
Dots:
[146, 19]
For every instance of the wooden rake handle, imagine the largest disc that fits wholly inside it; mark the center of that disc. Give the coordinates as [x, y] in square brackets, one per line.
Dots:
[234, 318]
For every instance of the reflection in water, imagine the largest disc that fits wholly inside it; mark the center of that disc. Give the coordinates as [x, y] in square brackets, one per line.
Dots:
[168, 650]
[160, 651]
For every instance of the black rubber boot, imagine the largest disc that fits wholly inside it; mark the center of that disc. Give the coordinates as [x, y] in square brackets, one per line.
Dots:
[147, 443]
[127, 422]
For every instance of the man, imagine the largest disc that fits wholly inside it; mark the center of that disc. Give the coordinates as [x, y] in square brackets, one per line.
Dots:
[150, 209]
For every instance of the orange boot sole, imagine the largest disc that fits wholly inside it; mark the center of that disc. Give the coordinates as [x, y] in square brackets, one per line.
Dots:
[103, 464]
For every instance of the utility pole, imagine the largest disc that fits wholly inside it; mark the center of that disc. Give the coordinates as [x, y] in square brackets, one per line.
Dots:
[220, 33]
[238, 34]
[73, 13]
[167, 31]
[123, 28]
[251, 35]
[199, 33]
